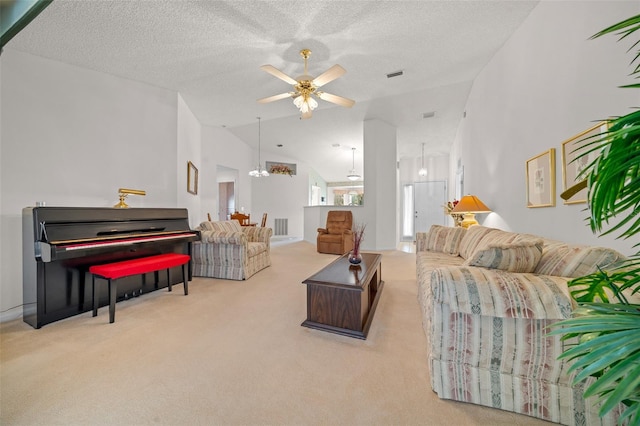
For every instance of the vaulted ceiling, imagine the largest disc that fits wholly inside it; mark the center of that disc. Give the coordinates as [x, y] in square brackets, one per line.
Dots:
[210, 52]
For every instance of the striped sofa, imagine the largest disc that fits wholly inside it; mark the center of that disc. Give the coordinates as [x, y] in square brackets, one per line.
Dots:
[230, 251]
[487, 297]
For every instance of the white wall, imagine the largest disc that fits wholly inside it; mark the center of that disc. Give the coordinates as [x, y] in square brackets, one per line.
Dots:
[72, 137]
[548, 83]
[379, 212]
[281, 196]
[381, 188]
[317, 180]
[188, 149]
[222, 148]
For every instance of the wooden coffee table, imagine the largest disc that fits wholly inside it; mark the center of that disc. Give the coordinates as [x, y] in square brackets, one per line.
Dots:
[342, 298]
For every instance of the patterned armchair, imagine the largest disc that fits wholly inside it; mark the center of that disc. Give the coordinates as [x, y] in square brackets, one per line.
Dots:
[229, 251]
[337, 237]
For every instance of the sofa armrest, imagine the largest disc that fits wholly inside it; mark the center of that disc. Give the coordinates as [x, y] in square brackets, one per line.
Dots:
[223, 237]
[323, 231]
[258, 234]
[496, 293]
[421, 241]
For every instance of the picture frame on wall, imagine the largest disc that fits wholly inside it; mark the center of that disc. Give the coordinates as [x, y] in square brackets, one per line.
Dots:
[572, 166]
[541, 179]
[192, 178]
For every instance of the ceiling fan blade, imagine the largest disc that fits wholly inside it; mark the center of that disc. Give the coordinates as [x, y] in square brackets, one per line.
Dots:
[338, 100]
[306, 115]
[277, 73]
[329, 75]
[276, 97]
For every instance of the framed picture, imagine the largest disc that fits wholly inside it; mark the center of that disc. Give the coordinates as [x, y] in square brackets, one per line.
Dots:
[572, 166]
[541, 180]
[192, 178]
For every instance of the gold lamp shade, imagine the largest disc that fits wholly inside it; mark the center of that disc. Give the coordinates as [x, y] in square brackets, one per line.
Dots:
[469, 205]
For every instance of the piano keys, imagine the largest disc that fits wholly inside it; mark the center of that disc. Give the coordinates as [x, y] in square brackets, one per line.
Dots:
[60, 243]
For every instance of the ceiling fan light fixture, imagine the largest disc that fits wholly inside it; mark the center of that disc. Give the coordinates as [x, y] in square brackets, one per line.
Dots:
[305, 103]
[306, 85]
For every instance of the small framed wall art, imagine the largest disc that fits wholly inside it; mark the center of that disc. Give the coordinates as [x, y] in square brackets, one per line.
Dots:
[192, 178]
[574, 163]
[541, 179]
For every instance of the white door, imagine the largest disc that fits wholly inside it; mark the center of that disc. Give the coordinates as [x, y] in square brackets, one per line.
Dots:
[430, 198]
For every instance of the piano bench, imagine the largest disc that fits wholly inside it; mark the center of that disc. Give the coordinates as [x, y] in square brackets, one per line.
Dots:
[126, 268]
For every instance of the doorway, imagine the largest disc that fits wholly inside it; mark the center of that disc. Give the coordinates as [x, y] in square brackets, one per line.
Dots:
[227, 204]
[422, 206]
[227, 191]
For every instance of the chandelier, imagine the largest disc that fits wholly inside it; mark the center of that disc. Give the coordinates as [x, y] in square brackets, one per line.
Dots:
[353, 175]
[258, 171]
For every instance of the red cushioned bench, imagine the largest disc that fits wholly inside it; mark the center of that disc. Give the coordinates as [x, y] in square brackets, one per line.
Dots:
[126, 268]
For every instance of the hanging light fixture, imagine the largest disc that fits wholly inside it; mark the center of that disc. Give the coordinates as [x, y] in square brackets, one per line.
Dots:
[305, 103]
[423, 170]
[258, 171]
[353, 175]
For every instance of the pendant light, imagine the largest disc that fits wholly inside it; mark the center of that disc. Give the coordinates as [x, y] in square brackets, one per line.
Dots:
[258, 171]
[353, 175]
[423, 170]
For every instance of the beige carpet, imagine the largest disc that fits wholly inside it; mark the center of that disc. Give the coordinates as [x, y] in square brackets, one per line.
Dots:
[232, 353]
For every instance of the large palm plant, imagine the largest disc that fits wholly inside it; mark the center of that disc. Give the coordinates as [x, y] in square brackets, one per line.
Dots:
[606, 324]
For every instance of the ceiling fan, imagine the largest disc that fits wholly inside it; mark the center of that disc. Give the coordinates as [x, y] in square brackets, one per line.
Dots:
[305, 86]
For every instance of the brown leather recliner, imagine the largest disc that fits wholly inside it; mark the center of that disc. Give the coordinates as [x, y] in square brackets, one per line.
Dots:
[337, 237]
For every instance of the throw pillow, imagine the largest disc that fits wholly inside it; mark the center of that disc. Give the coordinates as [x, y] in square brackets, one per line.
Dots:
[444, 239]
[575, 261]
[515, 257]
[472, 239]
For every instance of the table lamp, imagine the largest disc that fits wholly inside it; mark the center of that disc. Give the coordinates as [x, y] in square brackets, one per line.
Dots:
[469, 205]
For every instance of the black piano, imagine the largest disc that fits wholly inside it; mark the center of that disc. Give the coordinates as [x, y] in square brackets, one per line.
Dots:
[59, 244]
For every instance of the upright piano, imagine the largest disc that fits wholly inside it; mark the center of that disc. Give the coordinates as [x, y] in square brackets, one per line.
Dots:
[59, 244]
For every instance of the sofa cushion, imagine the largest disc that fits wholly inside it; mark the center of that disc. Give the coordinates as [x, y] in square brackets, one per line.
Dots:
[575, 261]
[444, 239]
[472, 238]
[497, 237]
[494, 293]
[227, 226]
[512, 257]
[205, 226]
[330, 238]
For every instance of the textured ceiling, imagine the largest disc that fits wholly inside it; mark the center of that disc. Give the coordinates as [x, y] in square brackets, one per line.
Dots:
[211, 51]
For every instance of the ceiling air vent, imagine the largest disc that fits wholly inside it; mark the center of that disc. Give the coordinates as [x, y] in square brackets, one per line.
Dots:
[395, 74]
[428, 114]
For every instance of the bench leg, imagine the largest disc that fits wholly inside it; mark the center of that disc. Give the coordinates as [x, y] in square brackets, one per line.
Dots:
[95, 296]
[169, 279]
[185, 278]
[112, 300]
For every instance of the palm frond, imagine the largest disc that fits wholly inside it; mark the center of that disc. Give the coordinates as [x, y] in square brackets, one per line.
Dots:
[608, 349]
[604, 337]
[614, 178]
